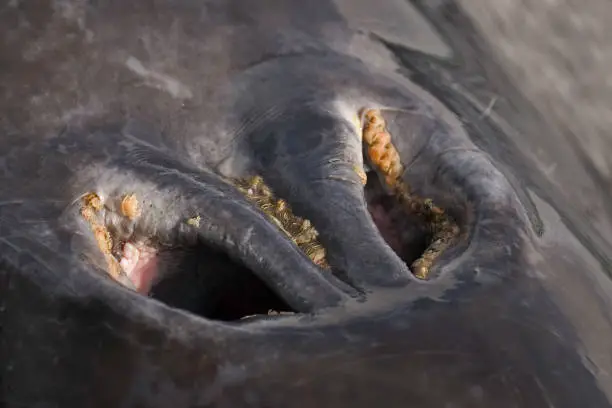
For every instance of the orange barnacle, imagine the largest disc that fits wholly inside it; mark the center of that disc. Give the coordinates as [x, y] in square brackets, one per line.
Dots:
[103, 238]
[87, 213]
[387, 162]
[91, 204]
[92, 200]
[387, 159]
[130, 207]
[394, 167]
[376, 151]
[374, 118]
[367, 135]
[381, 137]
[374, 124]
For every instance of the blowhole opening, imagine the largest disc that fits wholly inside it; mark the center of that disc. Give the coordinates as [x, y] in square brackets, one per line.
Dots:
[207, 282]
[406, 233]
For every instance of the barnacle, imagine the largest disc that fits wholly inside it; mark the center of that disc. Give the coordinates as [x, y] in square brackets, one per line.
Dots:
[385, 157]
[91, 206]
[130, 207]
[298, 229]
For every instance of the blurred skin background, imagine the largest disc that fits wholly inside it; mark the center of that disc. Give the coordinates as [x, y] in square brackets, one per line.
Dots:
[558, 53]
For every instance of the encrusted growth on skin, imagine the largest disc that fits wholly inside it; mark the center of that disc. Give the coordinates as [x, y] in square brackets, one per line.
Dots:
[130, 207]
[385, 157]
[362, 174]
[299, 230]
[91, 207]
[194, 221]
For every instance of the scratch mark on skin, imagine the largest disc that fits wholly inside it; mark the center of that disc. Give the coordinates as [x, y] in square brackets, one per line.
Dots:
[543, 389]
[158, 80]
[348, 366]
[247, 236]
[7, 242]
[34, 254]
[12, 202]
[489, 108]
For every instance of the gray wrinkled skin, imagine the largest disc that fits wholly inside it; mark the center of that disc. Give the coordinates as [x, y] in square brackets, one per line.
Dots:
[167, 99]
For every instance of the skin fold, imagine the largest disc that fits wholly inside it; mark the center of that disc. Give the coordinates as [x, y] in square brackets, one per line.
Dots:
[170, 101]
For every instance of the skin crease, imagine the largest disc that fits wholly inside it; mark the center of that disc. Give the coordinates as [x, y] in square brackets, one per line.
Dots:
[168, 100]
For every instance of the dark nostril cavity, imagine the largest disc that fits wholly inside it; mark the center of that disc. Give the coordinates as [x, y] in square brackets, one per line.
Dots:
[208, 283]
[407, 234]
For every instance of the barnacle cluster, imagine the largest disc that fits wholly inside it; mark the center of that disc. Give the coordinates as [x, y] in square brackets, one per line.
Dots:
[381, 154]
[298, 229]
[91, 209]
[385, 157]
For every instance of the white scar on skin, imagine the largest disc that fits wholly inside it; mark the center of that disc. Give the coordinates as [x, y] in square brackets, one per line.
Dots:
[159, 80]
[139, 263]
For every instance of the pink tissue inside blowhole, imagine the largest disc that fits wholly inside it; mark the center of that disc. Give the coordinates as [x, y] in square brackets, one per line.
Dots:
[139, 263]
[385, 226]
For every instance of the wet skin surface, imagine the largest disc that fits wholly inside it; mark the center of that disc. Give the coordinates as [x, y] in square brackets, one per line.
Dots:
[168, 100]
